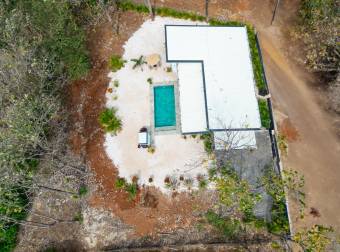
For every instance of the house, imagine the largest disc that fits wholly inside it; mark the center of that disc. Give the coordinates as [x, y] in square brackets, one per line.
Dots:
[215, 80]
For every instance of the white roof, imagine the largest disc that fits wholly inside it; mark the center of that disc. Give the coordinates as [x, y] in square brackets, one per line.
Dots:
[225, 140]
[224, 54]
[191, 98]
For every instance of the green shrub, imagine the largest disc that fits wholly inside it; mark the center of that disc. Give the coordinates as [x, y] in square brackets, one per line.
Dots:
[132, 190]
[149, 80]
[82, 190]
[116, 83]
[279, 220]
[110, 121]
[8, 236]
[151, 149]
[282, 143]
[203, 183]
[120, 183]
[208, 139]
[227, 226]
[78, 217]
[116, 63]
[264, 114]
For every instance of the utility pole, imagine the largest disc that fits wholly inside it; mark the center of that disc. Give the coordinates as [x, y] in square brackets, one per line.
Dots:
[274, 13]
[206, 10]
[148, 4]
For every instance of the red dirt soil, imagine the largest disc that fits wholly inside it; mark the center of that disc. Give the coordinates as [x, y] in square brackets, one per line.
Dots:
[153, 213]
[287, 129]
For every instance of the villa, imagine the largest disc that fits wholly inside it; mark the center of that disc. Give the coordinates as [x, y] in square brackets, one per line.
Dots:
[215, 80]
[201, 81]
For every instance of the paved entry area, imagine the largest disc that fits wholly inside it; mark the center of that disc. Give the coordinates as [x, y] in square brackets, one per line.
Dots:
[250, 165]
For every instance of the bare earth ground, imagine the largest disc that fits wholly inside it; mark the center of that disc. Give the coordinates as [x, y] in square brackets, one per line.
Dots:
[315, 149]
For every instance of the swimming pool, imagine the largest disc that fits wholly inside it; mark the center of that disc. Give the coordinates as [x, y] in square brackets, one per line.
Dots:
[164, 106]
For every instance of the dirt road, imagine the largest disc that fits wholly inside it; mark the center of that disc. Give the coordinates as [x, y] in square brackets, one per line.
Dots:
[316, 153]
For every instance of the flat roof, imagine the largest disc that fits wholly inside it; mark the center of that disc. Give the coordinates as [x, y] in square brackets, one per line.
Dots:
[226, 73]
[191, 97]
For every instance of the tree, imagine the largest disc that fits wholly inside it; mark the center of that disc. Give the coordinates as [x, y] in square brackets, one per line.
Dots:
[318, 29]
[41, 47]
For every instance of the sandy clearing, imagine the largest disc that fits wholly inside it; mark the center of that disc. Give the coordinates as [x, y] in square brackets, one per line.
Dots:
[174, 156]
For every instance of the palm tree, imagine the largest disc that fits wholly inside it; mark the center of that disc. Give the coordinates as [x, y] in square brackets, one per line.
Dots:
[138, 62]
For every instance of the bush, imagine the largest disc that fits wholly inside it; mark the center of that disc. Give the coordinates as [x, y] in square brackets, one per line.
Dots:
[203, 183]
[78, 217]
[116, 63]
[120, 183]
[62, 38]
[208, 139]
[319, 32]
[8, 236]
[282, 143]
[109, 121]
[151, 149]
[132, 190]
[264, 114]
[227, 226]
[116, 83]
[82, 190]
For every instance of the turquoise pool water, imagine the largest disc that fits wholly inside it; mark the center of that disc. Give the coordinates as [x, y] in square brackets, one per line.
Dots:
[164, 106]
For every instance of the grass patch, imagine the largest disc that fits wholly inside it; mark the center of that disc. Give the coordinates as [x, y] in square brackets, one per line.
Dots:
[161, 11]
[217, 22]
[109, 120]
[116, 63]
[264, 114]
[256, 61]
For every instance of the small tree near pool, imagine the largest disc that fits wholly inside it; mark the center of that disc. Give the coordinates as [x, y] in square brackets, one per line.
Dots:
[110, 122]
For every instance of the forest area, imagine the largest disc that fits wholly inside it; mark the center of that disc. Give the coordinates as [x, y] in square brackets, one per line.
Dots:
[43, 50]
